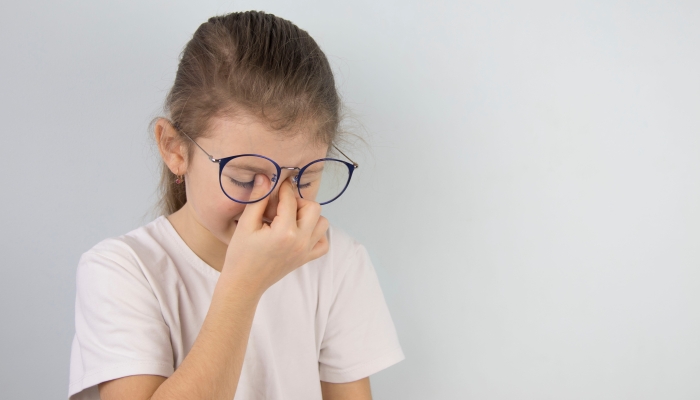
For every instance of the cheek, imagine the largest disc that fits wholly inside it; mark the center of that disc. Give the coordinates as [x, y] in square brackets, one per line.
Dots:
[310, 193]
[214, 210]
[218, 216]
[230, 208]
[221, 213]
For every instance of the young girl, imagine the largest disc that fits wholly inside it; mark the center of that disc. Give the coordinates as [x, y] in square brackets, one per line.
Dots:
[241, 290]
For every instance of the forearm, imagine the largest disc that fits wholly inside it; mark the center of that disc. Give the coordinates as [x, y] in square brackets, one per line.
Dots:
[213, 366]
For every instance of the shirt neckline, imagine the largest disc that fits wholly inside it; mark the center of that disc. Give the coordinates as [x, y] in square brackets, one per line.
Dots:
[185, 250]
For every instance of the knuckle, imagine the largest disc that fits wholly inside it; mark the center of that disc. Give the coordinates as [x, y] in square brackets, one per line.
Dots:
[315, 207]
[321, 249]
[288, 236]
[324, 243]
[323, 223]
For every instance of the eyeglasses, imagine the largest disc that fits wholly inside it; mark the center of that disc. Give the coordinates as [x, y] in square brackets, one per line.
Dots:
[325, 178]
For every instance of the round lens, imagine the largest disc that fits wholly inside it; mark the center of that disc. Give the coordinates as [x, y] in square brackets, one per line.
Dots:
[238, 176]
[323, 181]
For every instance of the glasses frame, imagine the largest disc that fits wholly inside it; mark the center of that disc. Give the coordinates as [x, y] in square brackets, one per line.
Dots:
[352, 165]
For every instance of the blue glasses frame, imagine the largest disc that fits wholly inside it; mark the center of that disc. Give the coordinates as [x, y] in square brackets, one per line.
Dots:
[223, 161]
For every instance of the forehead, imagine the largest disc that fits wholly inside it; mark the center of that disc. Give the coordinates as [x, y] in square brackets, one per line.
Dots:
[244, 134]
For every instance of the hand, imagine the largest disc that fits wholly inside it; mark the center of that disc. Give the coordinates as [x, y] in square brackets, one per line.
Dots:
[260, 254]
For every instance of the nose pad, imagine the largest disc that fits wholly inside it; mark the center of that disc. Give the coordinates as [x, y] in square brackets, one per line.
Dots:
[295, 179]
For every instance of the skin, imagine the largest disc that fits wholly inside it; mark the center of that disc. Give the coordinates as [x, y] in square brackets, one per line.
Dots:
[219, 230]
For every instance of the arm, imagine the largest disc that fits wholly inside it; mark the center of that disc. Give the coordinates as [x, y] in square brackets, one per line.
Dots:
[357, 390]
[213, 366]
[263, 254]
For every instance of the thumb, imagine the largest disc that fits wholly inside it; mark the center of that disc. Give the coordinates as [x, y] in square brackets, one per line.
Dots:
[251, 219]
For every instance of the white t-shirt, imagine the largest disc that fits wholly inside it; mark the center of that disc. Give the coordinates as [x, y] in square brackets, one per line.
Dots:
[142, 298]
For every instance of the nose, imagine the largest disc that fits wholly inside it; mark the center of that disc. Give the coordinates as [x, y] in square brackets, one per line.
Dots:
[273, 200]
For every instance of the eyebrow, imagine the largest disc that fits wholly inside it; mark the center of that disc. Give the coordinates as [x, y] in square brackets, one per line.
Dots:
[314, 169]
[247, 168]
[311, 170]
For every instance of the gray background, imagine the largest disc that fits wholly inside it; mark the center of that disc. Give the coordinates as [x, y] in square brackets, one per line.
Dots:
[529, 195]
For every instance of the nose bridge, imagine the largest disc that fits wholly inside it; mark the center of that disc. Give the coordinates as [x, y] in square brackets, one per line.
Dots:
[293, 170]
[286, 173]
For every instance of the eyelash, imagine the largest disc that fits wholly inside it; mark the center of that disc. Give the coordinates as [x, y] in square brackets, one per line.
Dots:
[245, 185]
[249, 185]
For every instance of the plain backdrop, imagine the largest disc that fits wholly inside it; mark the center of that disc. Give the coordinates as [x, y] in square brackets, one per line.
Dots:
[529, 192]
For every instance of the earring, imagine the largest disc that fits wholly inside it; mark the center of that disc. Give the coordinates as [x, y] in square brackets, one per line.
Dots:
[178, 178]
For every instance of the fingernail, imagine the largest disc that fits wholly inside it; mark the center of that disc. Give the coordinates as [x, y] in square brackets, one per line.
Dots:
[258, 180]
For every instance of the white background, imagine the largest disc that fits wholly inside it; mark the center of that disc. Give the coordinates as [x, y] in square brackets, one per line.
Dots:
[529, 194]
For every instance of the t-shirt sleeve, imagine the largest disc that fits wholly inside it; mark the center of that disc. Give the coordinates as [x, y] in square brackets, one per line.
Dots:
[119, 326]
[360, 338]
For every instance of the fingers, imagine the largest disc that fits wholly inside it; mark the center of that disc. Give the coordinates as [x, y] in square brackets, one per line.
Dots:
[320, 248]
[287, 206]
[308, 213]
[318, 239]
[251, 219]
[319, 231]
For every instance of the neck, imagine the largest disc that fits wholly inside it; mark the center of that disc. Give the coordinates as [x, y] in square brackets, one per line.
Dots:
[198, 238]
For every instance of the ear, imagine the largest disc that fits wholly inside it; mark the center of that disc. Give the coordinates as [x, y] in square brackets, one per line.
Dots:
[172, 149]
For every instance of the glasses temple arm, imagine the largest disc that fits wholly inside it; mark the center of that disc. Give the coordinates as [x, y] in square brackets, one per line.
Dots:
[341, 152]
[211, 158]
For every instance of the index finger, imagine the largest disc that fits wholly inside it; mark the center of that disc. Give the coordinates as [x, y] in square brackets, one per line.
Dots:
[252, 215]
[308, 212]
[286, 206]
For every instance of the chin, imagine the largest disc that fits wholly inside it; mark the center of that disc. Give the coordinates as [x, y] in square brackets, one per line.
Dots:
[227, 234]
[221, 229]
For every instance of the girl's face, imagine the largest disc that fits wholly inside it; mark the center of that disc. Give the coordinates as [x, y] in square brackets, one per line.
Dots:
[232, 136]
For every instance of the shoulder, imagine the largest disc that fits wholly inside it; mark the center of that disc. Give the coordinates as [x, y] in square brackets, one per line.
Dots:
[340, 237]
[341, 243]
[345, 252]
[130, 252]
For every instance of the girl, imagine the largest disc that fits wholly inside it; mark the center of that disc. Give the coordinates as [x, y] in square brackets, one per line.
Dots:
[241, 290]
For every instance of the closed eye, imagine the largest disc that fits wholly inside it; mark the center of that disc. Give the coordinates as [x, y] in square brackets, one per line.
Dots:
[246, 185]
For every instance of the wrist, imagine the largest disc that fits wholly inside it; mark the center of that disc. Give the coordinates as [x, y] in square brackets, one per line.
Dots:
[240, 286]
